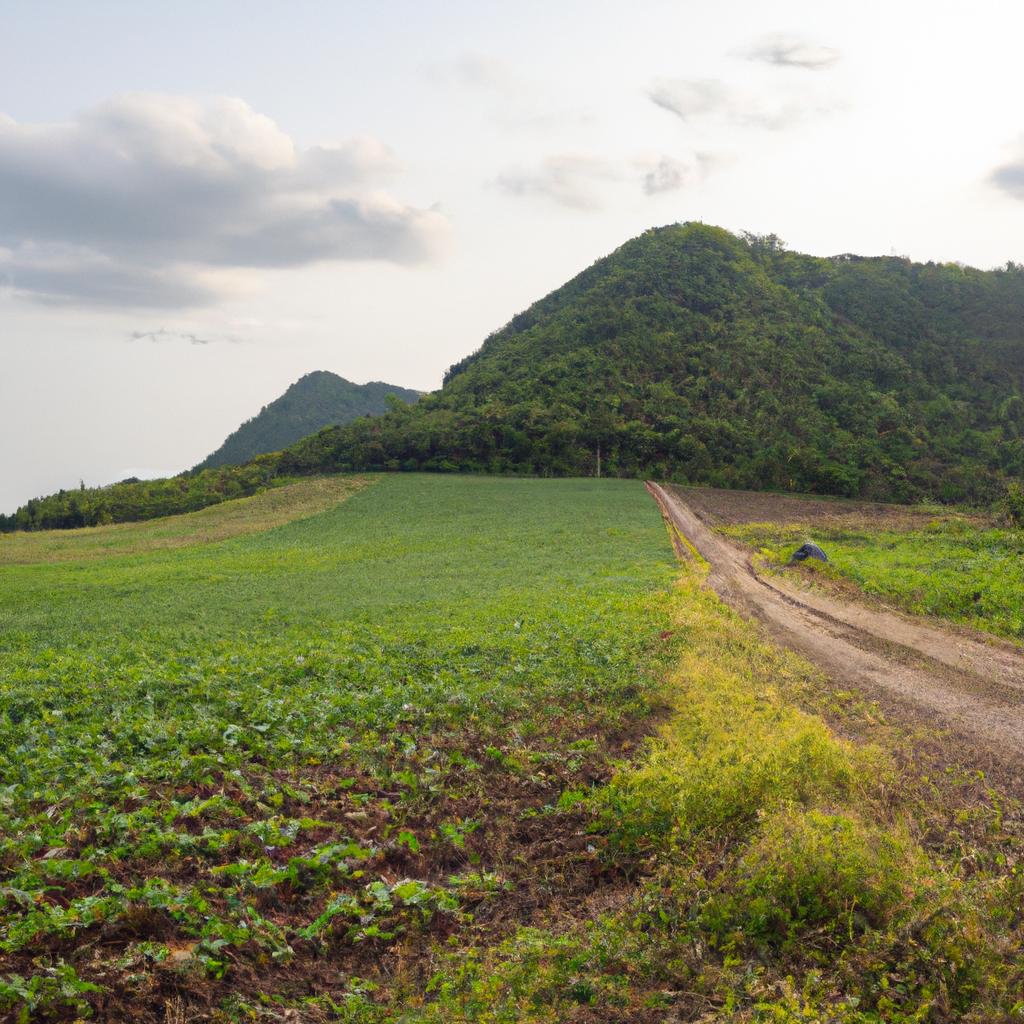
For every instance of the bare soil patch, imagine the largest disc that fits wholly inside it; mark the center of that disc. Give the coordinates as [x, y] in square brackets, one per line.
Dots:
[720, 507]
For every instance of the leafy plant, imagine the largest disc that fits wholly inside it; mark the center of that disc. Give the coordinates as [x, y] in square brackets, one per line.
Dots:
[213, 748]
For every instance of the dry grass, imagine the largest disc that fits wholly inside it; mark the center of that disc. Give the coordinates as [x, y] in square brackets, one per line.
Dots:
[229, 519]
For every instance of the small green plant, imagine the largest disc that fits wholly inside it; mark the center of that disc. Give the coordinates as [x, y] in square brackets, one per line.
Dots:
[1010, 508]
[58, 988]
[807, 870]
[220, 748]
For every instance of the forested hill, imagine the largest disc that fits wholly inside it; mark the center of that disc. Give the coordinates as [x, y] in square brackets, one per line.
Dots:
[319, 399]
[693, 354]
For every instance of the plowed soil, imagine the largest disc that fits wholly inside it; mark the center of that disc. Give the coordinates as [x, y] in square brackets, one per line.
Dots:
[720, 507]
[969, 686]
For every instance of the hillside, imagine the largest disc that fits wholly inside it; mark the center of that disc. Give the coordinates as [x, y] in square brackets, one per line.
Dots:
[319, 399]
[692, 354]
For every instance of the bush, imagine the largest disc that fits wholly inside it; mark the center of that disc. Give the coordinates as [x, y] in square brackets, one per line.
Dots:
[815, 869]
[1010, 508]
[734, 748]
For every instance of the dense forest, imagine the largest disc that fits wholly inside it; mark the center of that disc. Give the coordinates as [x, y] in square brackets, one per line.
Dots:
[695, 355]
[319, 399]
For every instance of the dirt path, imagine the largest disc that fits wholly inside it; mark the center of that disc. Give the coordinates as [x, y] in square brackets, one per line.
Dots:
[972, 687]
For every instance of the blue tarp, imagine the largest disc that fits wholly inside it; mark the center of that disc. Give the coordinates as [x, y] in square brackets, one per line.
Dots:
[809, 551]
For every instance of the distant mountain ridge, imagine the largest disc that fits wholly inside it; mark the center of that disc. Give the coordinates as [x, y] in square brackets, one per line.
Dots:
[317, 400]
[694, 355]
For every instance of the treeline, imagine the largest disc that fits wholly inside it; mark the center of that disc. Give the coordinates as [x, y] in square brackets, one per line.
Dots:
[693, 355]
[132, 500]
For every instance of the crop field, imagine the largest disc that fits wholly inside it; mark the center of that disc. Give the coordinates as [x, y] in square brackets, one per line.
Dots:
[950, 566]
[276, 770]
[454, 749]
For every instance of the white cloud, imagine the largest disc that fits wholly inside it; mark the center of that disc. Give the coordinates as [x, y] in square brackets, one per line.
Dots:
[171, 335]
[581, 181]
[792, 52]
[510, 99]
[670, 175]
[688, 98]
[477, 70]
[152, 200]
[568, 179]
[692, 99]
[1010, 176]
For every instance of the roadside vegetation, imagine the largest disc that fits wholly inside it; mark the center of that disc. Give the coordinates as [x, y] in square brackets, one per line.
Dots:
[953, 567]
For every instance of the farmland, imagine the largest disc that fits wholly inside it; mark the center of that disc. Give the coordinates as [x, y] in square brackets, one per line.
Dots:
[465, 749]
[268, 767]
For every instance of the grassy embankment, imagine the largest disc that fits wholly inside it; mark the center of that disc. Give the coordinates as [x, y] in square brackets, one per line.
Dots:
[954, 567]
[233, 518]
[360, 767]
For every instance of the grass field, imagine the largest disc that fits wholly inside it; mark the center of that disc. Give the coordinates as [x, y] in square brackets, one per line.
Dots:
[385, 764]
[952, 567]
[252, 771]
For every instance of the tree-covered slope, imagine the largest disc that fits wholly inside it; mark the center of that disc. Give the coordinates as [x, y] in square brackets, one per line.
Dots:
[692, 354]
[319, 399]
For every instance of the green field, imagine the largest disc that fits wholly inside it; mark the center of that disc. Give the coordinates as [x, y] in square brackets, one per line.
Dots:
[954, 567]
[240, 769]
[461, 749]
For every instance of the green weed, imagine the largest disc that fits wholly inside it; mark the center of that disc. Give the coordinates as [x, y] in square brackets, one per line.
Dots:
[950, 568]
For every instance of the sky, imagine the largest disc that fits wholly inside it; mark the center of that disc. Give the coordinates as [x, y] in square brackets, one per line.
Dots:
[202, 201]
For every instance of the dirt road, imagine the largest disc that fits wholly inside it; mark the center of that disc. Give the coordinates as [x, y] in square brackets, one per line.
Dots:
[972, 686]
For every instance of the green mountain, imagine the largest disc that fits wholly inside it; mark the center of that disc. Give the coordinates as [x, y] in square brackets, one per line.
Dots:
[696, 355]
[317, 400]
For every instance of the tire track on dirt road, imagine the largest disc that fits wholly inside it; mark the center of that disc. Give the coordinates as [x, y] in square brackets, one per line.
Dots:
[970, 686]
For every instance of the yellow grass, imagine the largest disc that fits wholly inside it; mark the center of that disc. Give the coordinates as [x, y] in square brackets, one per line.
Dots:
[229, 519]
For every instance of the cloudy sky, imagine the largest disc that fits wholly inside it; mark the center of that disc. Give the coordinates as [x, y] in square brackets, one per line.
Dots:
[201, 201]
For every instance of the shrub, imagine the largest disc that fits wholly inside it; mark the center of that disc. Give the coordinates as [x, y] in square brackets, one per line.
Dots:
[807, 869]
